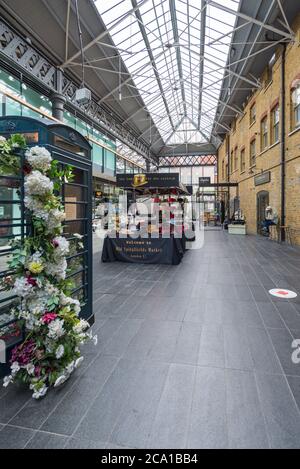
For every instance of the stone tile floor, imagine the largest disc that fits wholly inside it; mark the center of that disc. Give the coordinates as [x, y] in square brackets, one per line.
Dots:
[190, 356]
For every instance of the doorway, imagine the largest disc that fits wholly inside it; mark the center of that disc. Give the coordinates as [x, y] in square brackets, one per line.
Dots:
[262, 203]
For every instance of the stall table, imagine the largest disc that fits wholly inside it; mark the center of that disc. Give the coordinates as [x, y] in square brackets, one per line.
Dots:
[144, 250]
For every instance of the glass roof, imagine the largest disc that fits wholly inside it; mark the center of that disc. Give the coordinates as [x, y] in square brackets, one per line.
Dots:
[176, 52]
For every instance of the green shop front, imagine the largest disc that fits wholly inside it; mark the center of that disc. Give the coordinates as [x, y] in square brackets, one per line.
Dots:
[69, 147]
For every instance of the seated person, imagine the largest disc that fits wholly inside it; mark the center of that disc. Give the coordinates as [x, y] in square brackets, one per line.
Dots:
[271, 218]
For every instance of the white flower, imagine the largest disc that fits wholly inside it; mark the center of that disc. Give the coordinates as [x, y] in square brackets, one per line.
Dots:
[60, 351]
[81, 326]
[7, 380]
[2, 139]
[39, 158]
[70, 368]
[95, 339]
[57, 270]
[40, 392]
[60, 380]
[73, 302]
[78, 236]
[36, 206]
[30, 369]
[78, 362]
[55, 218]
[81, 245]
[37, 184]
[22, 287]
[56, 329]
[15, 367]
[62, 245]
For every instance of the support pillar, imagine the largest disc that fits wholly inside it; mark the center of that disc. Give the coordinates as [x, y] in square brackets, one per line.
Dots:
[57, 98]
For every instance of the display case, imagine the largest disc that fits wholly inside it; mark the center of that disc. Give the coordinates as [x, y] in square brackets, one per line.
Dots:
[68, 147]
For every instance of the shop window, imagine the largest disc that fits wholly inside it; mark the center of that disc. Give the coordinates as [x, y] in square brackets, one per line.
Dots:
[269, 71]
[10, 83]
[296, 107]
[242, 160]
[252, 152]
[252, 114]
[12, 107]
[264, 133]
[236, 158]
[69, 119]
[97, 155]
[109, 162]
[231, 161]
[37, 100]
[28, 112]
[275, 125]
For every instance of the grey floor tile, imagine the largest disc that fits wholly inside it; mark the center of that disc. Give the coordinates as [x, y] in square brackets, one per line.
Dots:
[270, 314]
[170, 425]
[246, 425]
[119, 341]
[195, 310]
[289, 315]
[259, 293]
[211, 351]
[164, 345]
[237, 353]
[208, 421]
[14, 437]
[69, 412]
[100, 420]
[213, 312]
[188, 342]
[13, 401]
[134, 423]
[76, 443]
[294, 383]
[42, 440]
[280, 410]
[262, 351]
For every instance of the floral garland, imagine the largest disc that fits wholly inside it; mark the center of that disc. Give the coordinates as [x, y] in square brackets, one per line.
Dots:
[54, 332]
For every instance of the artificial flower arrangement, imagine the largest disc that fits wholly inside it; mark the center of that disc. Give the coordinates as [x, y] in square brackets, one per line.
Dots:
[53, 329]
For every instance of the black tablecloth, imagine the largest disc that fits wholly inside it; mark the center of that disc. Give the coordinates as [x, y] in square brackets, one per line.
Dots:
[144, 250]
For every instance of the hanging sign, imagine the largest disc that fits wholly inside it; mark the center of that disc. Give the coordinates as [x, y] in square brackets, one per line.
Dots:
[282, 293]
[148, 180]
[204, 181]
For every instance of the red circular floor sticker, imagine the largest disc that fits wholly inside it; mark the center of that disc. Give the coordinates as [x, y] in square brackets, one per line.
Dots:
[282, 293]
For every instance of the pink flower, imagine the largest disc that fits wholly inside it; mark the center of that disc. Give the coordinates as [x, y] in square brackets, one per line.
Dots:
[38, 370]
[49, 317]
[55, 243]
[23, 354]
[31, 281]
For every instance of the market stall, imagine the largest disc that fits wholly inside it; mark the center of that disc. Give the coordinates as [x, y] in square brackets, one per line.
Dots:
[154, 228]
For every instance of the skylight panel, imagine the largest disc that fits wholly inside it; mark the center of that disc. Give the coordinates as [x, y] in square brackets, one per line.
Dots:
[169, 74]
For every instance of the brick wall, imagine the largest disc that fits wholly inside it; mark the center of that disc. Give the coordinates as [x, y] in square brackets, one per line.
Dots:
[268, 159]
